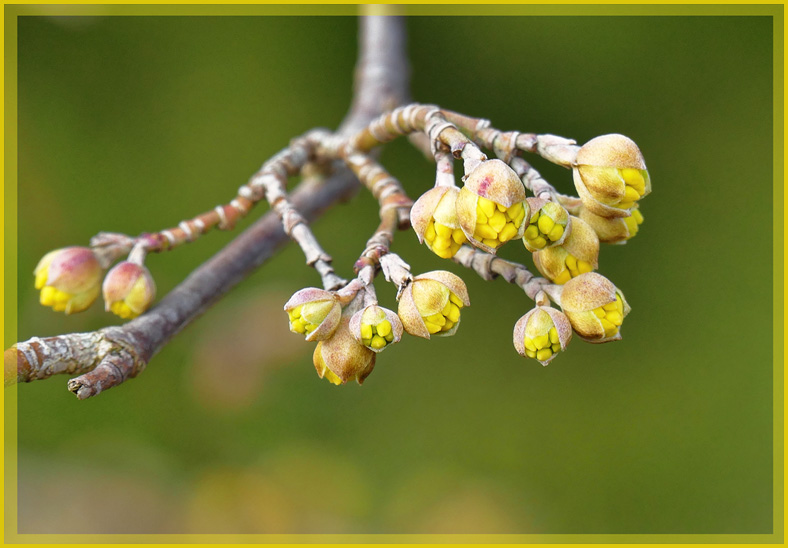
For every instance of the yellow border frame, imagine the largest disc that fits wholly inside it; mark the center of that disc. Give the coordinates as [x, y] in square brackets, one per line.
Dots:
[9, 482]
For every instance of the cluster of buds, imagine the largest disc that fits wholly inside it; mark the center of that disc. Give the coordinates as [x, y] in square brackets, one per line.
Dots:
[488, 211]
[563, 234]
[491, 208]
[70, 281]
[349, 335]
[611, 178]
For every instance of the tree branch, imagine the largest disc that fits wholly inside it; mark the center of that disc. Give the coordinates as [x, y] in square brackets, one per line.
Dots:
[108, 357]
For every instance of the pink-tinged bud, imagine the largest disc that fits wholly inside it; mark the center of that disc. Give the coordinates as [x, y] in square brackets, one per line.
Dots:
[128, 290]
[595, 307]
[341, 357]
[434, 219]
[431, 303]
[614, 231]
[69, 279]
[491, 207]
[611, 176]
[542, 333]
[548, 226]
[314, 312]
[577, 255]
[376, 327]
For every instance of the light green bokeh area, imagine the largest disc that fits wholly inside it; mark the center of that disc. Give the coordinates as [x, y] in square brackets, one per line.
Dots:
[130, 124]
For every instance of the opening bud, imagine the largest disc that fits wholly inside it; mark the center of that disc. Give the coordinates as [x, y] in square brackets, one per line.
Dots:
[69, 279]
[611, 176]
[613, 231]
[542, 333]
[434, 218]
[595, 307]
[341, 358]
[431, 303]
[491, 206]
[128, 290]
[314, 312]
[548, 226]
[577, 255]
[376, 327]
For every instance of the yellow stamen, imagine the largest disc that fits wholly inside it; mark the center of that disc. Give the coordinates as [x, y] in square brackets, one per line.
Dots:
[556, 233]
[543, 354]
[487, 206]
[545, 224]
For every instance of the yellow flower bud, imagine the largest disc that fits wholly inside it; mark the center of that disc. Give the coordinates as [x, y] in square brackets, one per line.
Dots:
[128, 290]
[549, 225]
[376, 327]
[341, 358]
[595, 307]
[69, 279]
[542, 333]
[610, 175]
[577, 255]
[491, 206]
[431, 303]
[617, 230]
[313, 312]
[434, 218]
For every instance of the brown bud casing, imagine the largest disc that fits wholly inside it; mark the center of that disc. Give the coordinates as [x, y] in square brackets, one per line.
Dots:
[132, 285]
[69, 279]
[582, 244]
[537, 323]
[437, 203]
[314, 313]
[598, 176]
[428, 295]
[582, 296]
[612, 231]
[495, 181]
[341, 358]
[384, 327]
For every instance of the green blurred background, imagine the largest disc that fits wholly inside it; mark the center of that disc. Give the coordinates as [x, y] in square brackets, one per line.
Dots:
[130, 124]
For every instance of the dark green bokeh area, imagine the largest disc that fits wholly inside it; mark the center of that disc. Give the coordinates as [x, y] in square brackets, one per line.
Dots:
[130, 124]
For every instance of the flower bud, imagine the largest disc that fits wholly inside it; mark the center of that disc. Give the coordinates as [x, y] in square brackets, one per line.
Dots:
[491, 206]
[548, 226]
[434, 218]
[610, 175]
[376, 327]
[595, 307]
[577, 255]
[431, 303]
[69, 279]
[313, 312]
[128, 290]
[341, 358]
[542, 333]
[617, 230]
